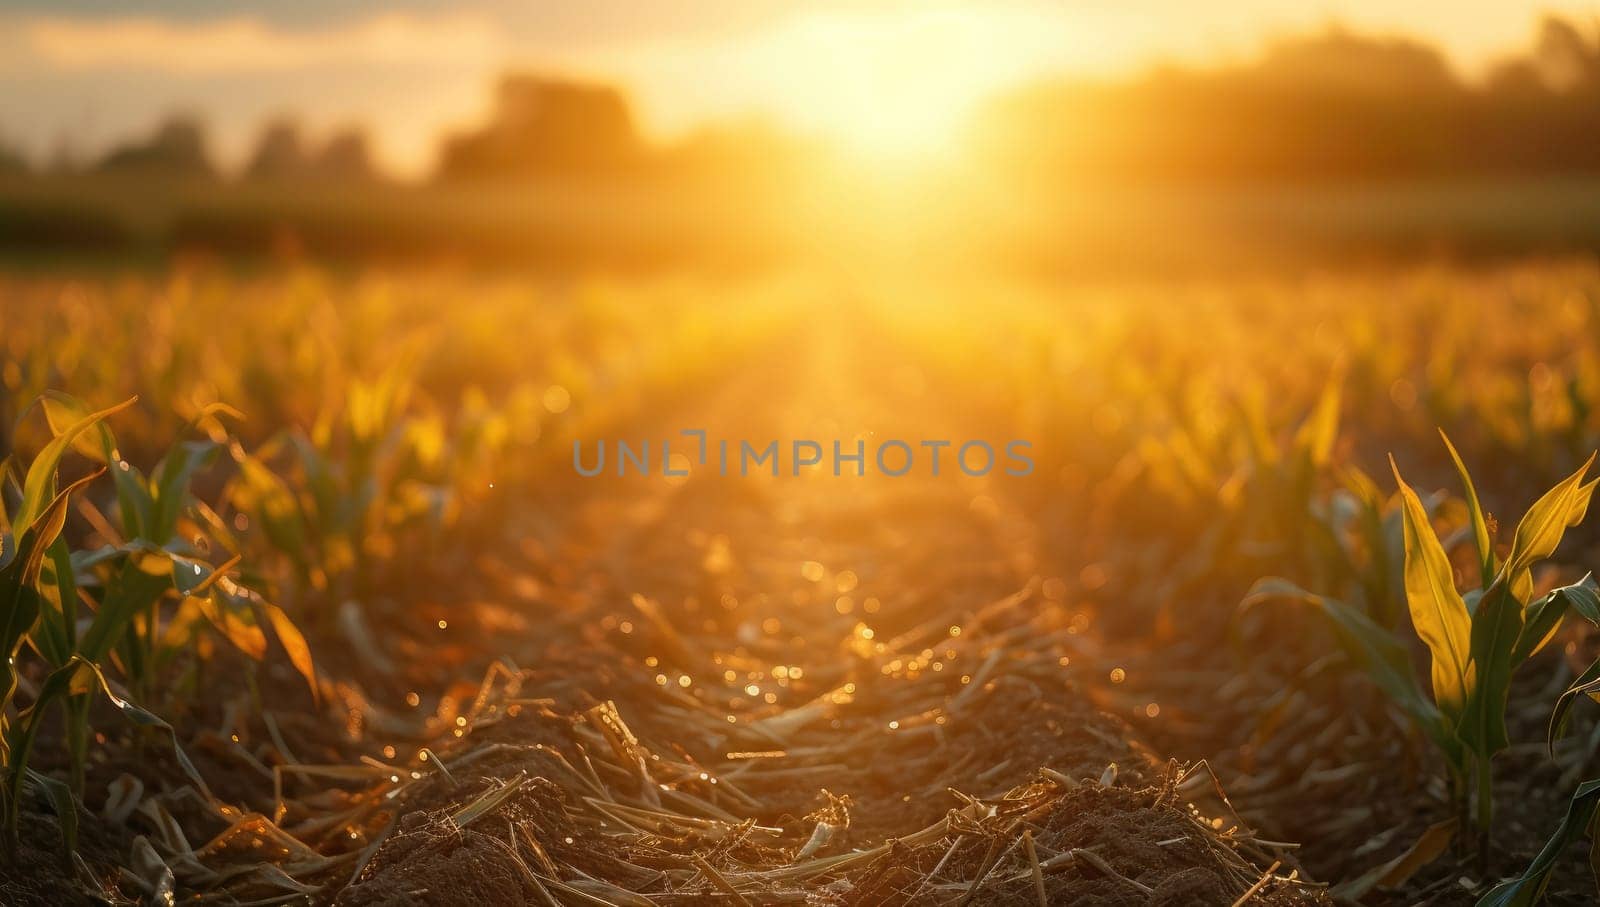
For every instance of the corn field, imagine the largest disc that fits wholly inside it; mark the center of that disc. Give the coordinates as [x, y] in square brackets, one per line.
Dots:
[305, 601]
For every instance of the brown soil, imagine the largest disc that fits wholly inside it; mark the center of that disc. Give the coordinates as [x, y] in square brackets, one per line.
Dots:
[971, 714]
[793, 690]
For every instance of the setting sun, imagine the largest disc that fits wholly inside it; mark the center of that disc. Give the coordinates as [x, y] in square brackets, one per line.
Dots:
[893, 85]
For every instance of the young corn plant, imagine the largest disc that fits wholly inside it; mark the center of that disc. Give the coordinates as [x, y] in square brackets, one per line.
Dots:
[127, 582]
[1581, 819]
[324, 513]
[30, 539]
[344, 496]
[154, 538]
[1476, 640]
[1265, 481]
[127, 573]
[1254, 490]
[1362, 537]
[1583, 810]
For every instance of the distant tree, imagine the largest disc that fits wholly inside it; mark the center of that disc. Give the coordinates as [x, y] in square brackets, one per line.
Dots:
[346, 156]
[280, 153]
[1341, 61]
[1331, 106]
[547, 126]
[1566, 58]
[178, 147]
[283, 155]
[1516, 78]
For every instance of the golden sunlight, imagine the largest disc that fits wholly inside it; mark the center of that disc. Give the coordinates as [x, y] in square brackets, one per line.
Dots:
[894, 85]
[799, 451]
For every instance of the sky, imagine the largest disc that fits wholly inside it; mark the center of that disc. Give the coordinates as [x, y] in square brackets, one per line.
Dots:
[882, 76]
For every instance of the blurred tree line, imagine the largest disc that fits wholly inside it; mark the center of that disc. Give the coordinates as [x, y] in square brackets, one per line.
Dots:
[1333, 144]
[543, 126]
[180, 147]
[540, 127]
[1336, 105]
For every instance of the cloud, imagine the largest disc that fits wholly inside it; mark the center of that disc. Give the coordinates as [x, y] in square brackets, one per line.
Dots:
[250, 45]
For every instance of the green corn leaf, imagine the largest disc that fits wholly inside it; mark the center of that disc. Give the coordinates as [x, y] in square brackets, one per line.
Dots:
[270, 501]
[294, 645]
[143, 718]
[1584, 598]
[1385, 659]
[20, 601]
[21, 734]
[1380, 534]
[76, 676]
[86, 560]
[133, 495]
[39, 486]
[1581, 509]
[193, 577]
[144, 577]
[1321, 429]
[208, 419]
[61, 411]
[336, 510]
[54, 632]
[1548, 519]
[1496, 626]
[1522, 583]
[172, 486]
[1480, 525]
[1437, 611]
[1586, 684]
[134, 503]
[22, 604]
[1543, 618]
[1527, 889]
[230, 618]
[1361, 485]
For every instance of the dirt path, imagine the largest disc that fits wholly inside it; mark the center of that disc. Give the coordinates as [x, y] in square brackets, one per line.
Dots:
[837, 689]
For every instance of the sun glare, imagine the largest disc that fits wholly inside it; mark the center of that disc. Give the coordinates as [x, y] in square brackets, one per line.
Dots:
[893, 86]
